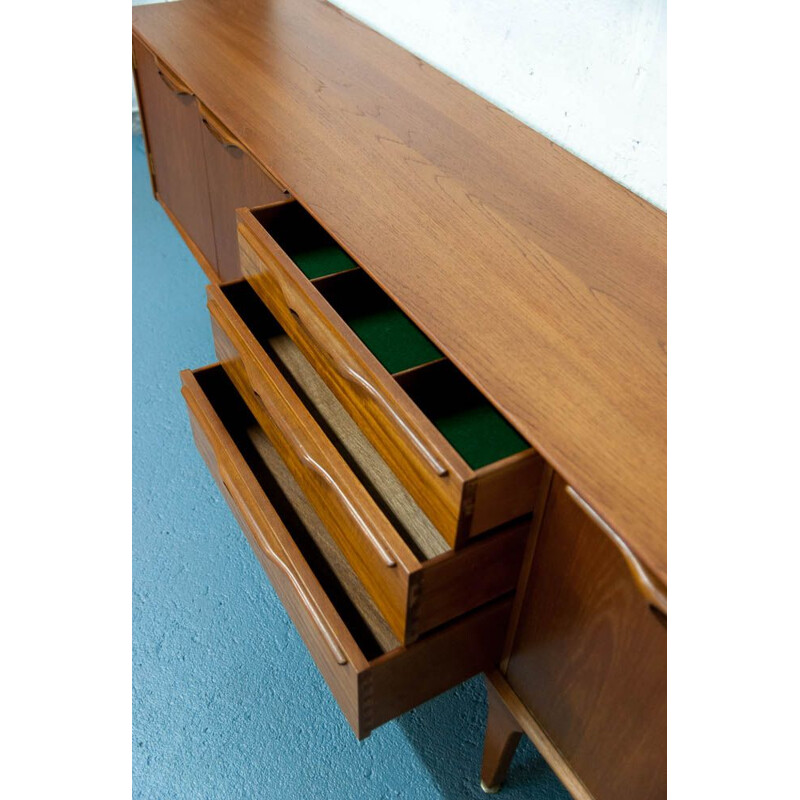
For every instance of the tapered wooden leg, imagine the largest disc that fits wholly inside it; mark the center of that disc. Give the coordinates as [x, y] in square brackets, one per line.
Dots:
[502, 737]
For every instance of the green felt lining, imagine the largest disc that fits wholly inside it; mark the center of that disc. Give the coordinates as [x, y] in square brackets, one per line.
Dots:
[323, 260]
[464, 417]
[306, 242]
[479, 433]
[374, 317]
[392, 338]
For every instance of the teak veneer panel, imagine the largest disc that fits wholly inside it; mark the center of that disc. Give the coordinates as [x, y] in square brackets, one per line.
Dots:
[462, 214]
[175, 145]
[370, 683]
[234, 180]
[589, 658]
[424, 584]
[436, 475]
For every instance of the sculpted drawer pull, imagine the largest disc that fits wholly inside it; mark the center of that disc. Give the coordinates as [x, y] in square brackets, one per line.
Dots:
[172, 81]
[355, 377]
[217, 129]
[383, 550]
[647, 584]
[309, 605]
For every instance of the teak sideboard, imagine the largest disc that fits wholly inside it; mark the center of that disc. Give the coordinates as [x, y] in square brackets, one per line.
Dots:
[439, 407]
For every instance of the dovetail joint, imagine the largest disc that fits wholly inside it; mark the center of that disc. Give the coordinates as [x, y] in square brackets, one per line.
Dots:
[366, 706]
[415, 591]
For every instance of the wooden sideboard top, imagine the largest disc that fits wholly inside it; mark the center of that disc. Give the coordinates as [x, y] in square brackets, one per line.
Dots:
[542, 279]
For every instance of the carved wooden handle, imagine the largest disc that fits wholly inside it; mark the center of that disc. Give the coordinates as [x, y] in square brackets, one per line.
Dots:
[217, 129]
[308, 603]
[648, 585]
[380, 546]
[173, 82]
[352, 375]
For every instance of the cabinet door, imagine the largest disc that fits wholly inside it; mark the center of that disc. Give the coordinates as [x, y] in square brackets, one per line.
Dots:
[175, 142]
[590, 658]
[235, 180]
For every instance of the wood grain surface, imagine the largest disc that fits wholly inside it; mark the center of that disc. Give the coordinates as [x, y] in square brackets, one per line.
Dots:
[542, 279]
[589, 658]
[323, 600]
[424, 584]
[416, 528]
[234, 180]
[454, 496]
[175, 142]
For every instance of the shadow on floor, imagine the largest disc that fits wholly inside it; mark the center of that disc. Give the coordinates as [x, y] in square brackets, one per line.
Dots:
[447, 736]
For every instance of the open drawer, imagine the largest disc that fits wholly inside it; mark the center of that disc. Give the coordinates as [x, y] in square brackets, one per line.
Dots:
[372, 676]
[462, 462]
[410, 572]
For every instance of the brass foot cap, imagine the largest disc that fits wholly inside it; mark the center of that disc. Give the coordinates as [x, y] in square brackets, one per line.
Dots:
[489, 789]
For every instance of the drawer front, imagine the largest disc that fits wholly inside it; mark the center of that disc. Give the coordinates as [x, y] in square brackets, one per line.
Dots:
[432, 470]
[369, 690]
[367, 539]
[589, 658]
[415, 594]
[460, 501]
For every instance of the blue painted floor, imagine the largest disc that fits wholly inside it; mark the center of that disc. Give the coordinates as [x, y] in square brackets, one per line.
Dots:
[226, 701]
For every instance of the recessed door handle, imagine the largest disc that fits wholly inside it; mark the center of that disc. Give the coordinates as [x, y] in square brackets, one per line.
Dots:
[650, 587]
[217, 129]
[172, 81]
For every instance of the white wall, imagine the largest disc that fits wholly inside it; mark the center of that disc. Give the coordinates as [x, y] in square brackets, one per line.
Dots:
[589, 74]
